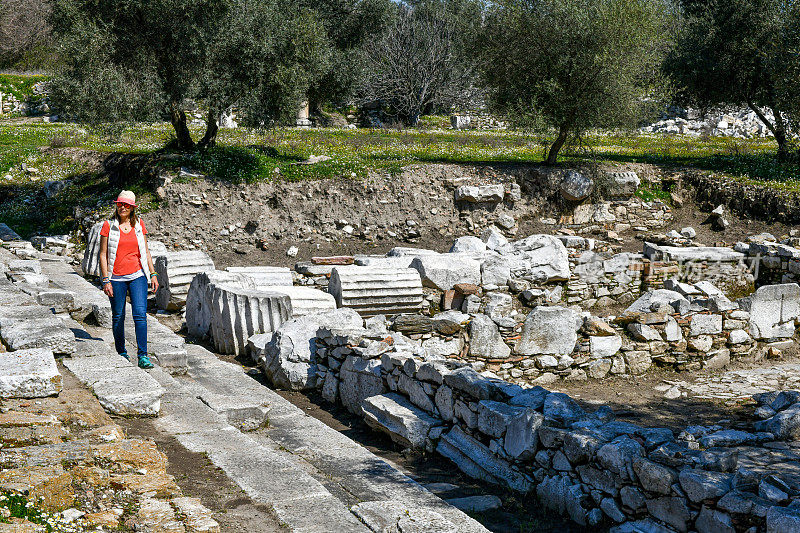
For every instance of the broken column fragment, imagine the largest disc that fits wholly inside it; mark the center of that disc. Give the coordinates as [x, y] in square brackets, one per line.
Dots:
[375, 291]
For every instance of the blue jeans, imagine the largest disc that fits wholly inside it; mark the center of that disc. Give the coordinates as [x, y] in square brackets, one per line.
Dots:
[138, 291]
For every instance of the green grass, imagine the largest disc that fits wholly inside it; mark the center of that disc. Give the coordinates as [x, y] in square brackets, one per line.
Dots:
[246, 155]
[14, 505]
[20, 85]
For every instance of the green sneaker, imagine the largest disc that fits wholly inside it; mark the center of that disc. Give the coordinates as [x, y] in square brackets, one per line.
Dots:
[144, 362]
[125, 356]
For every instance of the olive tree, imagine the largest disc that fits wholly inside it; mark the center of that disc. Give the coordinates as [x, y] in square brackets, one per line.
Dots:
[740, 52]
[24, 33]
[141, 59]
[569, 65]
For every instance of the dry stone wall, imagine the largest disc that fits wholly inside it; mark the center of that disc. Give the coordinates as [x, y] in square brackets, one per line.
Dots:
[587, 466]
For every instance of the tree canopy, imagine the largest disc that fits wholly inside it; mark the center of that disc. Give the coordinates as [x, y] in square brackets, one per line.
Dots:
[139, 59]
[571, 64]
[740, 52]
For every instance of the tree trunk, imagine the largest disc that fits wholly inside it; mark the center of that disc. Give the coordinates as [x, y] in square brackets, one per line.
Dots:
[212, 128]
[178, 118]
[780, 134]
[552, 155]
[778, 129]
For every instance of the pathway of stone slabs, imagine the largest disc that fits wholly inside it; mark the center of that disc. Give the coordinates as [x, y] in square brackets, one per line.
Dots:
[314, 478]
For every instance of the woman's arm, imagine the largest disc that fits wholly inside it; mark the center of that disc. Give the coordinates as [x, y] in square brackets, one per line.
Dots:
[153, 279]
[104, 265]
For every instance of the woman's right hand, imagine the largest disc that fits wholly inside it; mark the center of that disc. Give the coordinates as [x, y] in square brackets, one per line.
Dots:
[108, 289]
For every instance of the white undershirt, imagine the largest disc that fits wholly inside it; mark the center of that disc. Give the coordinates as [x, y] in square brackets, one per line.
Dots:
[128, 277]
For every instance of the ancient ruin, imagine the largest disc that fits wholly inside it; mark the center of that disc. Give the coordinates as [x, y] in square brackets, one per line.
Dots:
[453, 352]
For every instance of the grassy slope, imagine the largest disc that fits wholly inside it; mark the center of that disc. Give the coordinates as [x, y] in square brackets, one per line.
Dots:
[20, 85]
[245, 155]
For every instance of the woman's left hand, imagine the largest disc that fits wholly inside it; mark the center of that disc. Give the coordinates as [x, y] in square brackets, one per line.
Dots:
[154, 284]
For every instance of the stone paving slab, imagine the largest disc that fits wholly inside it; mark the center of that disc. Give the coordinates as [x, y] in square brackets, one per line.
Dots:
[10, 294]
[742, 384]
[309, 473]
[267, 475]
[168, 349]
[34, 326]
[29, 374]
[89, 300]
[358, 471]
[122, 388]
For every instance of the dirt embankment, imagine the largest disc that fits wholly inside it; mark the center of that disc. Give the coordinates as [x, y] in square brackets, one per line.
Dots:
[257, 224]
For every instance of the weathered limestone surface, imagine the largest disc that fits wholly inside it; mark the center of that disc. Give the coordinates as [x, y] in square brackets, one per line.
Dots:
[288, 355]
[374, 291]
[394, 415]
[10, 294]
[91, 256]
[305, 300]
[168, 348]
[199, 299]
[773, 311]
[25, 265]
[657, 252]
[549, 330]
[381, 261]
[29, 374]
[88, 299]
[538, 258]
[575, 186]
[395, 515]
[264, 276]
[176, 270]
[241, 414]
[33, 326]
[476, 460]
[360, 379]
[445, 270]
[620, 184]
[120, 387]
[238, 314]
[480, 193]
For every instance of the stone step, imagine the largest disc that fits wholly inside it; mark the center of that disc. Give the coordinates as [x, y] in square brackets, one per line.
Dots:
[374, 291]
[352, 471]
[266, 473]
[121, 387]
[307, 472]
[34, 326]
[89, 299]
[29, 374]
[168, 349]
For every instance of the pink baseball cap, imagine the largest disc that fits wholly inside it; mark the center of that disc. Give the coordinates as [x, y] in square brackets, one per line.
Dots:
[126, 197]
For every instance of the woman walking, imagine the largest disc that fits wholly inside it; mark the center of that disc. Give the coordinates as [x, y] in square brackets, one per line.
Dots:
[126, 267]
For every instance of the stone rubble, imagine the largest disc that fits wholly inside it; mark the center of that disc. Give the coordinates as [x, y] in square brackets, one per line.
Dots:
[460, 370]
[123, 389]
